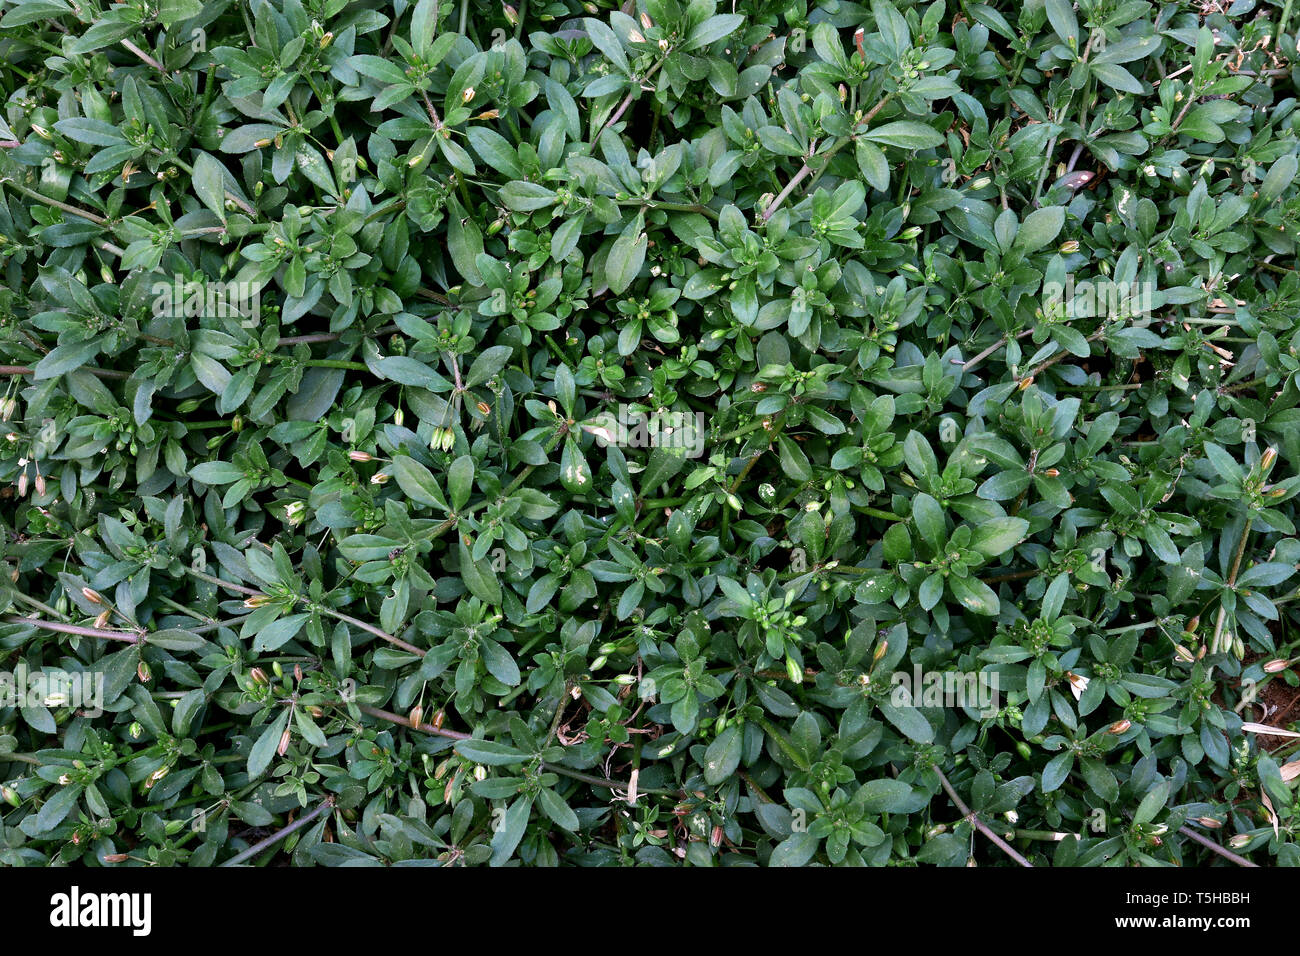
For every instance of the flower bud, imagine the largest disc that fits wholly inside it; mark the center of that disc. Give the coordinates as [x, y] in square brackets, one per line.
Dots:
[1239, 841]
[360, 456]
[258, 676]
[1209, 823]
[136, 730]
[284, 742]
[144, 673]
[10, 795]
[416, 716]
[480, 772]
[1266, 460]
[1119, 727]
[1276, 666]
[92, 596]
[793, 671]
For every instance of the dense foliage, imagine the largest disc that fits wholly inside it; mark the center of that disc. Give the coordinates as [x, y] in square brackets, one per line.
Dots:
[584, 434]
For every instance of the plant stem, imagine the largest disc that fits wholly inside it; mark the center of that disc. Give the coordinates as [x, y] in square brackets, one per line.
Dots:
[77, 629]
[280, 834]
[979, 824]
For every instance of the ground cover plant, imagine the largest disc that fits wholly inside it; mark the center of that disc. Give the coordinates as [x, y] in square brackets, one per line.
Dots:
[675, 433]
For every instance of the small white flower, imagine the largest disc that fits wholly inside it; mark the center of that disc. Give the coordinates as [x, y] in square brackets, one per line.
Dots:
[1078, 684]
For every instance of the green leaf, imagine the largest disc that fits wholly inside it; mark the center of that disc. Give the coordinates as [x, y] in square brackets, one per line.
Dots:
[172, 12]
[997, 536]
[796, 850]
[626, 257]
[460, 481]
[555, 808]
[1152, 803]
[906, 134]
[713, 29]
[974, 595]
[175, 639]
[1040, 227]
[1060, 13]
[417, 482]
[210, 183]
[479, 577]
[491, 753]
[930, 522]
[263, 751]
[723, 756]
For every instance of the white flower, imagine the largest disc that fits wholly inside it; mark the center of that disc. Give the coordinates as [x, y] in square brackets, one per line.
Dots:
[1078, 684]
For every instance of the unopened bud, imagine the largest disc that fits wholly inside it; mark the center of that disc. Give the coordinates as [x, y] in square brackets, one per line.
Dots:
[144, 673]
[1266, 460]
[1119, 727]
[416, 716]
[1239, 841]
[1209, 823]
[284, 742]
[360, 456]
[92, 596]
[1276, 666]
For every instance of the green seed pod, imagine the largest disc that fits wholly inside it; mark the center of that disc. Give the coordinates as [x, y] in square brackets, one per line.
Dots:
[793, 670]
